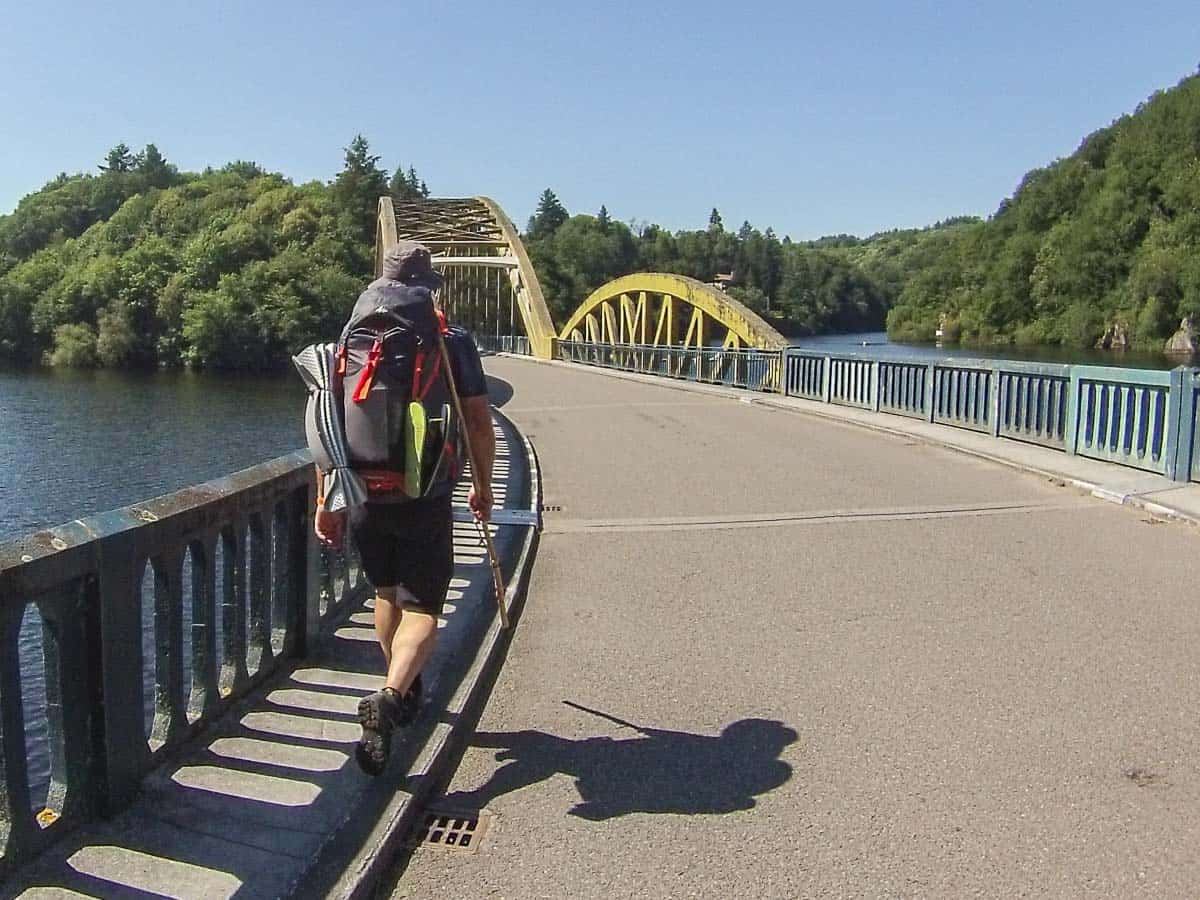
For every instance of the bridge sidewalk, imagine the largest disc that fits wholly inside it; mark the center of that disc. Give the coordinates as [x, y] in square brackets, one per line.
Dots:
[270, 801]
[773, 655]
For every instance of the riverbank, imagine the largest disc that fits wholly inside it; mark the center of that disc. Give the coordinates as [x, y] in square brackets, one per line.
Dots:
[879, 342]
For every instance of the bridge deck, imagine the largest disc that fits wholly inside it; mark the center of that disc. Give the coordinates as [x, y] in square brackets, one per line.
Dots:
[991, 681]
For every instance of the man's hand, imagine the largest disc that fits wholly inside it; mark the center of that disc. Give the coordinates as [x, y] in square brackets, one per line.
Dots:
[481, 503]
[478, 416]
[330, 527]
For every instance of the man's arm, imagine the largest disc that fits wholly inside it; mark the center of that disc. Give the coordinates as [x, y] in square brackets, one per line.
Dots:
[329, 526]
[477, 415]
[471, 384]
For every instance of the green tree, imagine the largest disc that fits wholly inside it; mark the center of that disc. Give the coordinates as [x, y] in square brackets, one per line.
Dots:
[357, 189]
[578, 257]
[115, 337]
[74, 346]
[154, 169]
[546, 219]
[405, 187]
[119, 159]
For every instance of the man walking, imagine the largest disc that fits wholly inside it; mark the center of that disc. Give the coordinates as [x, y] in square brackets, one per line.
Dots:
[404, 534]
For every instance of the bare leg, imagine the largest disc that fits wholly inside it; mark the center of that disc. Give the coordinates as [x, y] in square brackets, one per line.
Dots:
[412, 643]
[406, 636]
[387, 620]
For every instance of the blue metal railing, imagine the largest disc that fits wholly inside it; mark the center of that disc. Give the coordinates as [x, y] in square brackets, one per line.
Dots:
[1142, 418]
[504, 343]
[753, 370]
[1188, 446]
[196, 596]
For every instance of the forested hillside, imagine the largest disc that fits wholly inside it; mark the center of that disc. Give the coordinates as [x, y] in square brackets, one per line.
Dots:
[1102, 247]
[141, 264]
[803, 288]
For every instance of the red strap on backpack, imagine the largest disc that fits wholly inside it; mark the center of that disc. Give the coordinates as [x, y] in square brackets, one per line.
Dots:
[418, 365]
[379, 481]
[433, 374]
[368, 373]
[419, 391]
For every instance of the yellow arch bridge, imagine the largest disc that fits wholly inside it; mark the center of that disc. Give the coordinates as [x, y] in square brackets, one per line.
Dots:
[656, 322]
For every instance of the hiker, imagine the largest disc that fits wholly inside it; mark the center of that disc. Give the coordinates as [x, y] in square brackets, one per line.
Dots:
[403, 443]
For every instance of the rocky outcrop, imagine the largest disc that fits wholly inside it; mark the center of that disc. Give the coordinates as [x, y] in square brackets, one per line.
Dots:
[1116, 337]
[1186, 339]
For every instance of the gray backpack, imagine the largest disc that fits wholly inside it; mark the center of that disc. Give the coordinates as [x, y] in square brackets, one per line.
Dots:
[401, 434]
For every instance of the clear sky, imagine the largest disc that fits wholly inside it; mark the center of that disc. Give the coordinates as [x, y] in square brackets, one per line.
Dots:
[812, 118]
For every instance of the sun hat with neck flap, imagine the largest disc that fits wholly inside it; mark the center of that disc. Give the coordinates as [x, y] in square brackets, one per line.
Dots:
[411, 263]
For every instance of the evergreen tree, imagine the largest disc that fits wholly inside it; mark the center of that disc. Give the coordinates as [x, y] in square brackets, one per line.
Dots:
[119, 159]
[550, 214]
[242, 168]
[406, 186]
[602, 218]
[154, 168]
[357, 189]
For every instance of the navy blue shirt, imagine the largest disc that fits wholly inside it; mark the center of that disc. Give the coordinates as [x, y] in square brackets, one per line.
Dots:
[465, 363]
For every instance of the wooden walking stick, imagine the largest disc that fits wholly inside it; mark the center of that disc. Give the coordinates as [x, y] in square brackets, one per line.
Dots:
[476, 475]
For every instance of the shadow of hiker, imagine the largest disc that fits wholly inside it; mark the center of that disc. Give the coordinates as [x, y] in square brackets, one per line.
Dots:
[659, 771]
[499, 391]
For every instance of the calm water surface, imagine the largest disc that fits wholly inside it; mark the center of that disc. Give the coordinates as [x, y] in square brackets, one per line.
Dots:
[877, 343]
[76, 443]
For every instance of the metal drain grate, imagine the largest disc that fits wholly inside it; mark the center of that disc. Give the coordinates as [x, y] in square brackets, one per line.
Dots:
[451, 829]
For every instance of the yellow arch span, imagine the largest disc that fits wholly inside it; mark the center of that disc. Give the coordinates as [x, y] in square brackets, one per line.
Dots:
[471, 235]
[658, 309]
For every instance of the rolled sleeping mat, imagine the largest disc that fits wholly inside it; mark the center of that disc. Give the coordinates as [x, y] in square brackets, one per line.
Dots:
[317, 365]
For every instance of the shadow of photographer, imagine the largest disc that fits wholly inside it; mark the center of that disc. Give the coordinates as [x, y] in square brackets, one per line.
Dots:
[657, 771]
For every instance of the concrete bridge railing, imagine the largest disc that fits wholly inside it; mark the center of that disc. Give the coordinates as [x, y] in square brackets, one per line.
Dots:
[1141, 418]
[197, 596]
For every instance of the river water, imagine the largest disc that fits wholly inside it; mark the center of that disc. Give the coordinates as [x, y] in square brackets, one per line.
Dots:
[876, 342]
[76, 443]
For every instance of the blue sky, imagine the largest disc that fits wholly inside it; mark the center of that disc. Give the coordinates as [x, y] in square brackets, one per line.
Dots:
[814, 119]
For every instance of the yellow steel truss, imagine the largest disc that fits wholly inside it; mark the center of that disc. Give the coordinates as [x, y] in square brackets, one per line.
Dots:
[621, 311]
[490, 282]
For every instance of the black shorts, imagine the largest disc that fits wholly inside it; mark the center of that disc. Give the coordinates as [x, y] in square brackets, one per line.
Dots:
[410, 545]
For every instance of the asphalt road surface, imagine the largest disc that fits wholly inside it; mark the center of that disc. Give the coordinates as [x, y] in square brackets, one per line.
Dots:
[768, 655]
